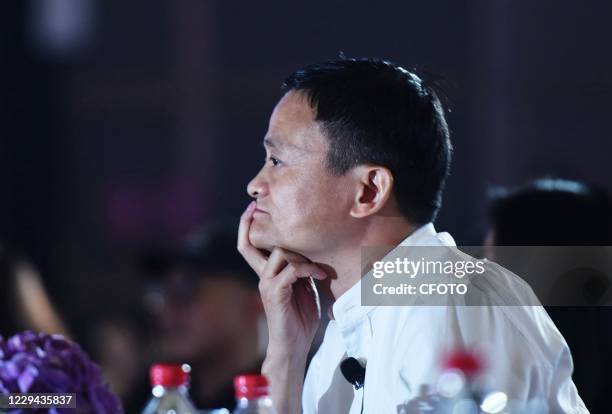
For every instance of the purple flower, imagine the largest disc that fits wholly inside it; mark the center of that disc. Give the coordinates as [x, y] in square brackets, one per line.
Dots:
[44, 363]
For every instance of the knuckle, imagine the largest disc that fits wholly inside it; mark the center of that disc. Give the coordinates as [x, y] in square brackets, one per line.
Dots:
[278, 289]
[264, 286]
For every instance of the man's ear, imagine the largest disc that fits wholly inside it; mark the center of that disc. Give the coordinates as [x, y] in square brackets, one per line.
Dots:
[375, 186]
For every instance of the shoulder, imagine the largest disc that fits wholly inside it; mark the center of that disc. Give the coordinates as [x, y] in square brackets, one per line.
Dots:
[524, 332]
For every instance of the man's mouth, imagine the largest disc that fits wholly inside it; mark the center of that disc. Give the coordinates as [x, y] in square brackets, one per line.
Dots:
[260, 211]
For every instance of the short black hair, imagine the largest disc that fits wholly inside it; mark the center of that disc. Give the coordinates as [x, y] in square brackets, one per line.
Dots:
[375, 112]
[551, 212]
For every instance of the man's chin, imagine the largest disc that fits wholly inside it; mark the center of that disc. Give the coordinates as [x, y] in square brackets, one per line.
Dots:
[261, 240]
[265, 242]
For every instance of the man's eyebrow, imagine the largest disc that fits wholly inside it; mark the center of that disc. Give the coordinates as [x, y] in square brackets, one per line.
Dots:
[270, 142]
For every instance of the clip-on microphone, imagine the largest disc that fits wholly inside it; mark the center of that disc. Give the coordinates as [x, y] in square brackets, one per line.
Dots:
[353, 372]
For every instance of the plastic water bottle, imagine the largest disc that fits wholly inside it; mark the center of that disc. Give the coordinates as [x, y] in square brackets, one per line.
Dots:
[252, 395]
[465, 389]
[170, 384]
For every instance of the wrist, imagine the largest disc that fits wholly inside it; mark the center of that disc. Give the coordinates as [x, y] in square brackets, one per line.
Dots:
[283, 358]
[288, 349]
[285, 372]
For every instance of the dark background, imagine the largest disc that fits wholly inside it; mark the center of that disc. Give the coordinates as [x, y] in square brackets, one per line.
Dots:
[127, 123]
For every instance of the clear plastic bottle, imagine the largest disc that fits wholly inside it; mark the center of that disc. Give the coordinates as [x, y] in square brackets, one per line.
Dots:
[252, 396]
[170, 384]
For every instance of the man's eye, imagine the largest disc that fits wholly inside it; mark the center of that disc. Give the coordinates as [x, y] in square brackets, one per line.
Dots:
[274, 161]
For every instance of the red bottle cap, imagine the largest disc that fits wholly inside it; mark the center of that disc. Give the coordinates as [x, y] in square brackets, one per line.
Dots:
[467, 362]
[169, 375]
[250, 386]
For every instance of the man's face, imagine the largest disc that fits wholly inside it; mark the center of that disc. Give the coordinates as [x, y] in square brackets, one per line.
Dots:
[201, 316]
[301, 205]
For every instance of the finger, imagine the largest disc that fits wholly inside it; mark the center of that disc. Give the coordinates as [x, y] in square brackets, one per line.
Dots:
[293, 276]
[293, 257]
[293, 272]
[276, 262]
[278, 259]
[254, 257]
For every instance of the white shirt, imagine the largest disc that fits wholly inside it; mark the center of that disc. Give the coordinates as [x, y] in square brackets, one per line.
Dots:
[527, 358]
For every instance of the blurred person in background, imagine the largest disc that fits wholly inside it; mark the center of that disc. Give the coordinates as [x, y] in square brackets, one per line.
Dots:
[207, 312]
[119, 345]
[555, 212]
[550, 212]
[25, 304]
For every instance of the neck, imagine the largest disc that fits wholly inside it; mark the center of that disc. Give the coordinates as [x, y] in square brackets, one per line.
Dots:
[345, 265]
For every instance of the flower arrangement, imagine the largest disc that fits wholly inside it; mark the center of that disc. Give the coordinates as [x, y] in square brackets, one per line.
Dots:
[41, 363]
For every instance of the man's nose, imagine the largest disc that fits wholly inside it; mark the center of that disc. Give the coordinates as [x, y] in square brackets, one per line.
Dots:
[257, 187]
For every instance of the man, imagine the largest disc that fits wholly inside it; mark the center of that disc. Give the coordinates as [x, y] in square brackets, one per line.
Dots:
[558, 212]
[208, 312]
[357, 152]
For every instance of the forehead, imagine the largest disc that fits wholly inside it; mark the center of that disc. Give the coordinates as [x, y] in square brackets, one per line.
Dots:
[293, 125]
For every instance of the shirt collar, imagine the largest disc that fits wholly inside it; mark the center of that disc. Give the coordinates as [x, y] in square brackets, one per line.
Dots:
[426, 235]
[347, 309]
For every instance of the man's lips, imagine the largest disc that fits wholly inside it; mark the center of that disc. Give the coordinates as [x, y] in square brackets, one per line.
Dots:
[258, 210]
